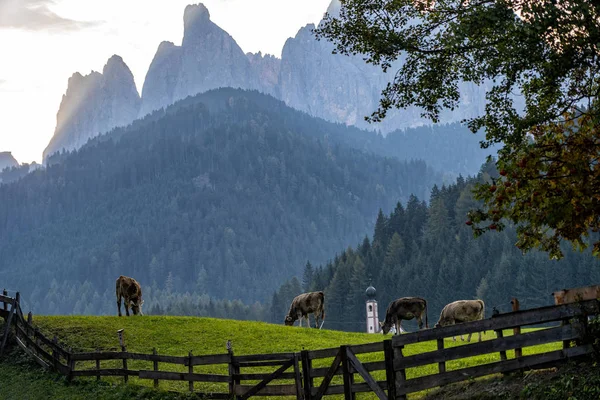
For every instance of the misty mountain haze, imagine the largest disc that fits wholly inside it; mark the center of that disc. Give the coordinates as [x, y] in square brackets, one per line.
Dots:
[307, 77]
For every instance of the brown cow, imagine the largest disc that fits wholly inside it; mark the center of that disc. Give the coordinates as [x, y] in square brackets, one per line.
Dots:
[576, 294]
[404, 308]
[131, 291]
[462, 311]
[304, 304]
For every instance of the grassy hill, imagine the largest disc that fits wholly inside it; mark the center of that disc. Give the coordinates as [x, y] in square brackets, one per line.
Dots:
[177, 336]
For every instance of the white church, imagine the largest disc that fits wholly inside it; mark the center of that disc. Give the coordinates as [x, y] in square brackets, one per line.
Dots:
[372, 314]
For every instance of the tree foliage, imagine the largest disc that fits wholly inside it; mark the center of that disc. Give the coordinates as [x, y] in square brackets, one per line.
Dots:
[550, 187]
[540, 63]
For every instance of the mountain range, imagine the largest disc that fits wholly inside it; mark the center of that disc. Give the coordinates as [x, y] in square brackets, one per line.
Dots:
[307, 77]
[224, 194]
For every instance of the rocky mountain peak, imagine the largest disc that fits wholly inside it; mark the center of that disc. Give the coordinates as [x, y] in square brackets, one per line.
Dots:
[94, 104]
[195, 17]
[208, 58]
[7, 160]
[115, 63]
[164, 47]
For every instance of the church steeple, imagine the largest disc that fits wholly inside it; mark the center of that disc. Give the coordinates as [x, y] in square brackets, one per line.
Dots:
[372, 314]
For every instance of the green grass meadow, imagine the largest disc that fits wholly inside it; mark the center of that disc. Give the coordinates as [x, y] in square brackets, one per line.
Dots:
[177, 336]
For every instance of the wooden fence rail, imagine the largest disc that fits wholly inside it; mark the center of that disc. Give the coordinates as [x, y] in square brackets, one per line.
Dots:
[312, 374]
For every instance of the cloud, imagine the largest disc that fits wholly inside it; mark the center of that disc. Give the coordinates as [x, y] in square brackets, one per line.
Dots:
[36, 15]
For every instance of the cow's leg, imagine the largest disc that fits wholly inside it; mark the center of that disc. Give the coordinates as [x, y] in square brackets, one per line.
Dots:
[119, 304]
[398, 327]
[469, 337]
[317, 320]
[126, 306]
[480, 336]
[420, 321]
[308, 320]
[451, 322]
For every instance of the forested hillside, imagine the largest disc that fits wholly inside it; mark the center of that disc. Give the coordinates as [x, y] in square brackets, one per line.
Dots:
[223, 195]
[451, 149]
[428, 251]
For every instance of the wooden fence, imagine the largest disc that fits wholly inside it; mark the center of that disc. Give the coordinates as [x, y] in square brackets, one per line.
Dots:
[389, 369]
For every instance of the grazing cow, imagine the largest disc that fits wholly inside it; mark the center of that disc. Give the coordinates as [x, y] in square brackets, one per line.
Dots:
[131, 291]
[576, 294]
[462, 311]
[304, 304]
[404, 308]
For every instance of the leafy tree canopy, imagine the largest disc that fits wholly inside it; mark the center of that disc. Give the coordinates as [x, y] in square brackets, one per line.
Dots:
[539, 61]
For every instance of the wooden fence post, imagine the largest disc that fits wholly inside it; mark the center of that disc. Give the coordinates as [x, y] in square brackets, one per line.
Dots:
[5, 293]
[306, 366]
[500, 334]
[566, 343]
[7, 327]
[125, 375]
[298, 377]
[191, 371]
[400, 375]
[348, 375]
[55, 352]
[29, 323]
[441, 364]
[517, 330]
[155, 367]
[124, 354]
[233, 369]
[390, 374]
[70, 364]
[17, 307]
[98, 366]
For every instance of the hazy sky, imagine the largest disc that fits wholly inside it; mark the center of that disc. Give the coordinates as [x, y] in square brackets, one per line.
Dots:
[43, 42]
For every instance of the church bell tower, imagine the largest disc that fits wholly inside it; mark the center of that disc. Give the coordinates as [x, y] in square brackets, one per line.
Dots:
[372, 315]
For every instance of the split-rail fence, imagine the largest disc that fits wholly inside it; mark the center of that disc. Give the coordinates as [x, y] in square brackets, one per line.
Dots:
[387, 368]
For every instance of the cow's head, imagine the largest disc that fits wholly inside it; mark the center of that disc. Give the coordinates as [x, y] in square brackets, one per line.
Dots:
[385, 327]
[136, 307]
[289, 321]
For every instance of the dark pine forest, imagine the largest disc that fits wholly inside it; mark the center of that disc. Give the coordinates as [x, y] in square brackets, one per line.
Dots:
[427, 250]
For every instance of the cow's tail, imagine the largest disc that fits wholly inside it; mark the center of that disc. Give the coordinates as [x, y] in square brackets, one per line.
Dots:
[118, 286]
[322, 309]
[482, 311]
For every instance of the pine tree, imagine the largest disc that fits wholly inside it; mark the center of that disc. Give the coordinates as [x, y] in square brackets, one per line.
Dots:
[169, 283]
[396, 222]
[395, 254]
[438, 224]
[307, 277]
[381, 230]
